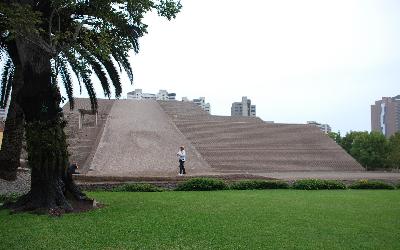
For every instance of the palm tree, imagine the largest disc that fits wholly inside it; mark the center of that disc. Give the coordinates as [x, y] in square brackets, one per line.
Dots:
[63, 36]
[82, 59]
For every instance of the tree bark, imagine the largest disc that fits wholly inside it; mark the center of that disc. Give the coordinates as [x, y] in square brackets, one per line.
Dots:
[13, 132]
[45, 137]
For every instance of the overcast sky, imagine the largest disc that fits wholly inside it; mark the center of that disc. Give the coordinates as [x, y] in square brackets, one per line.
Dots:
[297, 60]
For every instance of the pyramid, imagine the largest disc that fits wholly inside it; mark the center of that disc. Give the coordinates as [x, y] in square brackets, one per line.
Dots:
[141, 138]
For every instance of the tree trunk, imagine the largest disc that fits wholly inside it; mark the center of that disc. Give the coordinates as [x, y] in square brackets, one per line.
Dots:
[13, 132]
[45, 137]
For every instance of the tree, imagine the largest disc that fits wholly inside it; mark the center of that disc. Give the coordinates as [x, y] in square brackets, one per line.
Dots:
[348, 140]
[336, 137]
[13, 132]
[370, 149]
[394, 151]
[49, 36]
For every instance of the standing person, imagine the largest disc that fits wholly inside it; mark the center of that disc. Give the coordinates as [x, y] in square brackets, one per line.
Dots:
[182, 158]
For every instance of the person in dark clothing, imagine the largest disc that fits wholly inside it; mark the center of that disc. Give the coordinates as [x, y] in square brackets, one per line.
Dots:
[71, 170]
[70, 184]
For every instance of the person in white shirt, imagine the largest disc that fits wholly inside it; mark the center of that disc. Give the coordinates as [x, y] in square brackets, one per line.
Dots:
[182, 158]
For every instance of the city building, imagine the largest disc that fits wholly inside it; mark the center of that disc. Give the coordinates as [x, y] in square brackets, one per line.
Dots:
[323, 127]
[163, 95]
[243, 108]
[201, 101]
[385, 115]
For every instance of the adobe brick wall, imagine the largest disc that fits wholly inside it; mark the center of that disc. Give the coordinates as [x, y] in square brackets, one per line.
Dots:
[248, 145]
[141, 138]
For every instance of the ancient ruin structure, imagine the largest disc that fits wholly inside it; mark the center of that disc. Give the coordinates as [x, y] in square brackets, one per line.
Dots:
[140, 138]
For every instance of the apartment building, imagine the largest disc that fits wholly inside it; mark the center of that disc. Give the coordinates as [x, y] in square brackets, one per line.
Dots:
[201, 102]
[243, 108]
[162, 94]
[385, 115]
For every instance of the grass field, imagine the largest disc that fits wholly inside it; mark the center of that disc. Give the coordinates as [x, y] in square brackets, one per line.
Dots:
[273, 219]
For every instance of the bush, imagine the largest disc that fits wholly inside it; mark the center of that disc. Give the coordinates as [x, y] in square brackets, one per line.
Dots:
[398, 186]
[8, 197]
[201, 184]
[258, 184]
[137, 187]
[317, 184]
[367, 184]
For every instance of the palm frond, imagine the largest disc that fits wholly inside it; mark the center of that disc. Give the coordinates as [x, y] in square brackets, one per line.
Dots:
[122, 59]
[6, 82]
[66, 79]
[89, 87]
[82, 71]
[113, 74]
[98, 70]
[70, 56]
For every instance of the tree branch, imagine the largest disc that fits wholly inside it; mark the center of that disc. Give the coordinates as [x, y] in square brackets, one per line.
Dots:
[74, 38]
[50, 25]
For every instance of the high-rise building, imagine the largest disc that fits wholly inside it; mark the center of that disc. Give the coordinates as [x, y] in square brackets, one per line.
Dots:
[385, 115]
[243, 108]
[323, 127]
[163, 95]
[201, 101]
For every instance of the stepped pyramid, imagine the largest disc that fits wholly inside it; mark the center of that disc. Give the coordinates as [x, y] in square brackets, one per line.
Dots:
[141, 138]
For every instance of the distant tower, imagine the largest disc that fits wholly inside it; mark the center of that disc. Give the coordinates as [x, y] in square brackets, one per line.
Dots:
[385, 115]
[243, 108]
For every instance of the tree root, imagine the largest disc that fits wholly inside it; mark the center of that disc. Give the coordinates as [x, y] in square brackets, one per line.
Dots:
[54, 202]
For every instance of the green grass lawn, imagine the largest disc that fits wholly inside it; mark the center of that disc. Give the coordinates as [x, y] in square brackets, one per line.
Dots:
[271, 219]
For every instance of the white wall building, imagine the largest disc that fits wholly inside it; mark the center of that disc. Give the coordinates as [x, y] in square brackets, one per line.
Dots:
[201, 101]
[162, 95]
[323, 127]
[243, 108]
[138, 94]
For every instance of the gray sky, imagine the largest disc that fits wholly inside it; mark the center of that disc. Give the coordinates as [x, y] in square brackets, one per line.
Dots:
[319, 60]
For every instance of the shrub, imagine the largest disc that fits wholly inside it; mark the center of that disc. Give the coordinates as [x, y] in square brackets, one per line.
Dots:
[398, 186]
[137, 187]
[258, 184]
[8, 197]
[317, 184]
[201, 184]
[367, 184]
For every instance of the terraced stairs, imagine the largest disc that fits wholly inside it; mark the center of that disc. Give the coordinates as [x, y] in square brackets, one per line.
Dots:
[82, 143]
[249, 145]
